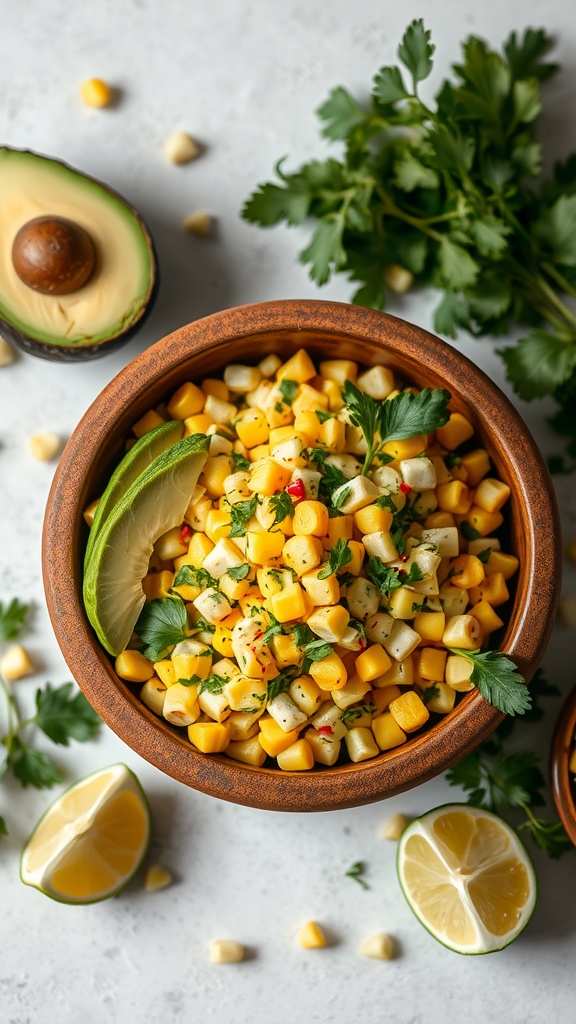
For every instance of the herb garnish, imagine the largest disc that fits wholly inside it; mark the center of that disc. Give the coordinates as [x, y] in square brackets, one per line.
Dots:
[62, 714]
[288, 389]
[240, 462]
[356, 872]
[451, 192]
[282, 506]
[191, 576]
[238, 572]
[279, 684]
[387, 578]
[498, 680]
[212, 684]
[162, 624]
[353, 713]
[340, 555]
[240, 515]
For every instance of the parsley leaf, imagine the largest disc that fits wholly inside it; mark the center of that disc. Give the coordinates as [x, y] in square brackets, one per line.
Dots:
[387, 578]
[240, 462]
[416, 50]
[238, 572]
[64, 714]
[288, 389]
[279, 685]
[212, 684]
[12, 618]
[498, 680]
[302, 634]
[282, 506]
[32, 767]
[316, 650]
[356, 872]
[191, 576]
[468, 531]
[162, 624]
[340, 555]
[240, 514]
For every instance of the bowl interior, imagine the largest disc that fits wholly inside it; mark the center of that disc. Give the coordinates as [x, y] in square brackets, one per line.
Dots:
[325, 330]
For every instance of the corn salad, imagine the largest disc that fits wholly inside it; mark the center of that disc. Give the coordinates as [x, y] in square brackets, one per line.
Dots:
[322, 597]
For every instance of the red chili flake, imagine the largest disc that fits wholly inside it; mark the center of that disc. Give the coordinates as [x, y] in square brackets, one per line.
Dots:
[405, 488]
[296, 490]
[402, 558]
[325, 730]
[362, 644]
[185, 533]
[258, 634]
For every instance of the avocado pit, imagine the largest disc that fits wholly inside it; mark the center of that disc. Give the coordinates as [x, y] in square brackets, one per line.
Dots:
[53, 255]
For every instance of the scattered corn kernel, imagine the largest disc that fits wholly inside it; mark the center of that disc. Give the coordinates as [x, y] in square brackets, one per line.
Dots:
[311, 936]
[15, 663]
[226, 951]
[180, 148]
[394, 827]
[156, 878]
[44, 447]
[200, 223]
[96, 93]
[378, 947]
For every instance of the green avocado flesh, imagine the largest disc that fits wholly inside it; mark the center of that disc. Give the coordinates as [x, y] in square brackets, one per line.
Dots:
[115, 295]
[119, 559]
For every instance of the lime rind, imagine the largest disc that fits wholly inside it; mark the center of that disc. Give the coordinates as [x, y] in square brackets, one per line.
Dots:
[487, 940]
[124, 779]
[153, 504]
[141, 455]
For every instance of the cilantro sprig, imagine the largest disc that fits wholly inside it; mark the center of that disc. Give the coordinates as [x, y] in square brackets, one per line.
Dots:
[240, 515]
[498, 680]
[62, 714]
[162, 624]
[450, 193]
[388, 578]
[340, 555]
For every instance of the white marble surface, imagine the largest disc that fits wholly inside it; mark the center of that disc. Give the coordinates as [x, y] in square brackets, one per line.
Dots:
[244, 77]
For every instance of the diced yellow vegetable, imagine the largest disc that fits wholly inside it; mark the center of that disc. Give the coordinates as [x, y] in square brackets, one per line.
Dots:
[134, 667]
[372, 519]
[454, 497]
[272, 737]
[467, 571]
[321, 591]
[430, 625]
[329, 673]
[252, 427]
[263, 547]
[215, 387]
[156, 878]
[484, 614]
[181, 705]
[96, 93]
[153, 695]
[387, 732]
[15, 663]
[477, 465]
[297, 758]
[455, 432]
[187, 401]
[373, 662]
[340, 528]
[147, 422]
[248, 751]
[166, 672]
[339, 370]
[226, 951]
[432, 663]
[268, 476]
[443, 700]
[311, 936]
[197, 424]
[302, 554]
[285, 650]
[306, 694]
[360, 744]
[409, 711]
[407, 449]
[485, 522]
[310, 519]
[330, 622]
[157, 584]
[299, 368]
[507, 565]
[333, 435]
[212, 477]
[209, 737]
[492, 589]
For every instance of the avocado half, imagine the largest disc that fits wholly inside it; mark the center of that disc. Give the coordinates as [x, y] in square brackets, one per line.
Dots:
[112, 305]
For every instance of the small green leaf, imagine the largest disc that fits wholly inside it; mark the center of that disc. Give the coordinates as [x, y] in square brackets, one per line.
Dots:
[64, 714]
[526, 101]
[162, 624]
[388, 86]
[238, 572]
[539, 363]
[457, 268]
[556, 229]
[341, 114]
[12, 619]
[32, 767]
[3, 827]
[410, 174]
[451, 313]
[325, 253]
[416, 50]
[288, 389]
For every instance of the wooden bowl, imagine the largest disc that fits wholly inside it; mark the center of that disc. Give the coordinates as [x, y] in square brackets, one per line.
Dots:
[326, 330]
[563, 785]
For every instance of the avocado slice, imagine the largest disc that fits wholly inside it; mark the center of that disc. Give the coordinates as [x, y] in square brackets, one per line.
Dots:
[107, 308]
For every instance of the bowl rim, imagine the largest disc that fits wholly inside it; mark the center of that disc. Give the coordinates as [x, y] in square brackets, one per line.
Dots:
[563, 789]
[426, 755]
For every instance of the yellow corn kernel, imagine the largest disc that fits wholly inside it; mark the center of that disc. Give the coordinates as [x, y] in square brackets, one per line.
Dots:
[382, 697]
[252, 427]
[96, 93]
[454, 497]
[491, 494]
[215, 387]
[147, 422]
[209, 737]
[226, 951]
[248, 751]
[329, 673]
[458, 672]
[269, 476]
[310, 519]
[455, 432]
[285, 650]
[407, 449]
[502, 563]
[306, 694]
[493, 589]
[15, 663]
[299, 368]
[409, 711]
[372, 519]
[387, 731]
[302, 554]
[199, 547]
[311, 936]
[477, 465]
[263, 547]
[437, 520]
[360, 744]
[373, 662]
[197, 424]
[443, 701]
[171, 545]
[339, 370]
[297, 758]
[308, 426]
[485, 522]
[90, 511]
[166, 672]
[272, 737]
[134, 667]
[156, 878]
[340, 528]
[153, 695]
[308, 398]
[234, 590]
[394, 827]
[218, 524]
[403, 603]
[467, 571]
[321, 591]
[430, 625]
[157, 584]
[212, 477]
[186, 401]
[333, 435]
[432, 663]
[289, 603]
[486, 616]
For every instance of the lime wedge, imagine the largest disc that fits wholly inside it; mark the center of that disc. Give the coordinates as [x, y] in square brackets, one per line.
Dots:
[118, 562]
[140, 456]
[91, 840]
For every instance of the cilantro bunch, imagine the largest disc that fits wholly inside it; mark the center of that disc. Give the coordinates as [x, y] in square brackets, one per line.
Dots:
[450, 194]
[62, 713]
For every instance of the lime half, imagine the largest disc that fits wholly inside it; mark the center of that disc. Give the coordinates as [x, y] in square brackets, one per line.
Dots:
[92, 839]
[467, 877]
[140, 456]
[118, 562]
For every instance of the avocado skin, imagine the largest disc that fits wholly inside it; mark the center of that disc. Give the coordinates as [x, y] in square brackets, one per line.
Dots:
[83, 353]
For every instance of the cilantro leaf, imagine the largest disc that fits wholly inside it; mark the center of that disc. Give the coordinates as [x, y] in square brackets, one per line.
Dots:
[407, 415]
[272, 203]
[192, 576]
[240, 463]
[388, 86]
[302, 634]
[416, 50]
[549, 835]
[498, 680]
[316, 650]
[451, 313]
[288, 388]
[387, 578]
[12, 618]
[64, 713]
[458, 269]
[340, 555]
[356, 872]
[326, 252]
[539, 363]
[32, 767]
[162, 624]
[238, 572]
[341, 114]
[279, 685]
[240, 514]
[282, 506]
[212, 684]
[556, 230]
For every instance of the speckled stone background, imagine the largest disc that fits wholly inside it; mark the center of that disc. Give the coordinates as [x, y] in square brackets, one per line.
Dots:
[244, 78]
